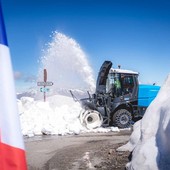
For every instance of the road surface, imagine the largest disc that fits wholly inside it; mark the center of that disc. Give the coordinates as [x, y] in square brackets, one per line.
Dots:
[85, 151]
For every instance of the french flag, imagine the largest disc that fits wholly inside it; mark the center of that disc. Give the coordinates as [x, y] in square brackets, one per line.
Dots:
[12, 153]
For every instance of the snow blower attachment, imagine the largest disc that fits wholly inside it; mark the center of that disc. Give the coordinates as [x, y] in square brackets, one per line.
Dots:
[118, 101]
[91, 119]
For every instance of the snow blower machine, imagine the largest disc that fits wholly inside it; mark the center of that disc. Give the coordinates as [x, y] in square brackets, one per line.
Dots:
[119, 99]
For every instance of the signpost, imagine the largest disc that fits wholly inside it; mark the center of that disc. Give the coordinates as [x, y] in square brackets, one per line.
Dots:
[44, 83]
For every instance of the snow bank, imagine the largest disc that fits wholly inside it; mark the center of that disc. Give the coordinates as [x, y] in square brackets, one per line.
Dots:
[134, 138]
[59, 115]
[151, 136]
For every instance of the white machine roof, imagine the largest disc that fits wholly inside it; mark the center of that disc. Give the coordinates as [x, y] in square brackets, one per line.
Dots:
[112, 70]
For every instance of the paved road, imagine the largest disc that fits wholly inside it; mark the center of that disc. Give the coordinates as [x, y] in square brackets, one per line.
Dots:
[71, 152]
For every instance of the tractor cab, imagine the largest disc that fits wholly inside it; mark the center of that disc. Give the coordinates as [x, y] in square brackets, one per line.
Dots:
[121, 82]
[118, 83]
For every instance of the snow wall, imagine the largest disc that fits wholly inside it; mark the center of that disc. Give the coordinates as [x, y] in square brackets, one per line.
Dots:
[149, 141]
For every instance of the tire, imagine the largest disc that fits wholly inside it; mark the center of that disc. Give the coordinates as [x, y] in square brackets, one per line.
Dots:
[121, 118]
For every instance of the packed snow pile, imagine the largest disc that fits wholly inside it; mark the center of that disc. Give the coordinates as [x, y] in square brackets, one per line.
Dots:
[149, 141]
[58, 115]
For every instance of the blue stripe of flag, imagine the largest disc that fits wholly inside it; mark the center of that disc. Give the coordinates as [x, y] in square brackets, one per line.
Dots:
[3, 37]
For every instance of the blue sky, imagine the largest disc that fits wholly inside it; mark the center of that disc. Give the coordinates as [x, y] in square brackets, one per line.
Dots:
[132, 33]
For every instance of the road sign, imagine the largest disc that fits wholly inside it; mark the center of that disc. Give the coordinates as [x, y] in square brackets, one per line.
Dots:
[43, 89]
[42, 83]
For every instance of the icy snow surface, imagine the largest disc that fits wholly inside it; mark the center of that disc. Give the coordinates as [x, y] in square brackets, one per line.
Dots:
[58, 115]
[150, 138]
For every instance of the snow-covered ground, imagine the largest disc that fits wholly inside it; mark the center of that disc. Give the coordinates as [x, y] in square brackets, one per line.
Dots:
[149, 141]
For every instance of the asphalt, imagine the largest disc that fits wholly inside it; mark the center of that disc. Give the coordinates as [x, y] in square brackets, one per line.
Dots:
[69, 152]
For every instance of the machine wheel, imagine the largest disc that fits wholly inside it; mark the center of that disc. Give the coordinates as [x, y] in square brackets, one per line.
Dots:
[122, 118]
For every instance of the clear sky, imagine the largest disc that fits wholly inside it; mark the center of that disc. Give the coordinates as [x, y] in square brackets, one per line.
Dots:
[132, 33]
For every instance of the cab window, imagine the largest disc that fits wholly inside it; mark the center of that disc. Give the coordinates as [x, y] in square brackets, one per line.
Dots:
[127, 83]
[113, 85]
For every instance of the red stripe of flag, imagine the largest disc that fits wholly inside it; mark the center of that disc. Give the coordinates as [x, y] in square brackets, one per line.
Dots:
[11, 158]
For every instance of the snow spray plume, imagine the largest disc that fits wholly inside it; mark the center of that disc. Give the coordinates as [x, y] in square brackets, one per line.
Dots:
[67, 64]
